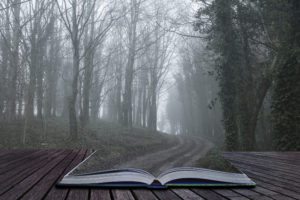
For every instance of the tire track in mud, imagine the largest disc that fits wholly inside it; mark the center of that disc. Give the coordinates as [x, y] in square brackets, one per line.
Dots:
[147, 161]
[197, 149]
[185, 153]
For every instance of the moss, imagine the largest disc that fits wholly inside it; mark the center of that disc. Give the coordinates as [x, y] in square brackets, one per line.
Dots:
[213, 160]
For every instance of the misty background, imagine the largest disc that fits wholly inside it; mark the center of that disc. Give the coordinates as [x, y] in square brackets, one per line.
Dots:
[88, 71]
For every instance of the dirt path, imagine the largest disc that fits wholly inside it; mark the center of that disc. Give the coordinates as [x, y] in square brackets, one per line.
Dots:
[184, 154]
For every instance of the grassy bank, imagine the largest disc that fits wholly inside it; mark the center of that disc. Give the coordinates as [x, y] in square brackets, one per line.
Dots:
[213, 160]
[111, 139]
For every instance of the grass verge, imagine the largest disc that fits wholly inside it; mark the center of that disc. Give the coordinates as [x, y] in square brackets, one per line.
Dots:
[113, 140]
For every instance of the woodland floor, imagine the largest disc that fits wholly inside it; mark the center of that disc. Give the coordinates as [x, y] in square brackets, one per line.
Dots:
[186, 153]
[111, 139]
[115, 142]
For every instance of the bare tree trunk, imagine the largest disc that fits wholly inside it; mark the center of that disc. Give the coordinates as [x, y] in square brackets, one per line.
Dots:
[34, 58]
[32, 81]
[145, 107]
[97, 91]
[49, 89]
[51, 66]
[66, 74]
[73, 128]
[127, 97]
[138, 119]
[88, 70]
[5, 46]
[40, 77]
[54, 87]
[21, 89]
[118, 95]
[152, 119]
[76, 27]
[14, 60]
[86, 94]
[20, 103]
[95, 102]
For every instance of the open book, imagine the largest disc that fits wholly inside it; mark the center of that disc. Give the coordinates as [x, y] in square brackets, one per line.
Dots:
[85, 174]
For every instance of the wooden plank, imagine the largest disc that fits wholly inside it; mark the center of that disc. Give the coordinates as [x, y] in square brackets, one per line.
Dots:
[144, 194]
[269, 184]
[8, 152]
[280, 197]
[246, 192]
[251, 194]
[284, 165]
[12, 178]
[207, 193]
[229, 193]
[18, 190]
[272, 159]
[5, 152]
[266, 163]
[17, 166]
[185, 193]
[165, 194]
[83, 193]
[20, 161]
[18, 158]
[269, 171]
[277, 189]
[78, 193]
[13, 154]
[59, 192]
[294, 169]
[273, 174]
[273, 180]
[238, 198]
[43, 186]
[264, 191]
[100, 194]
[269, 193]
[282, 176]
[122, 194]
[281, 156]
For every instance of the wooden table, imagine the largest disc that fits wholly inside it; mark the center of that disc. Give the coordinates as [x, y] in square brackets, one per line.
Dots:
[32, 174]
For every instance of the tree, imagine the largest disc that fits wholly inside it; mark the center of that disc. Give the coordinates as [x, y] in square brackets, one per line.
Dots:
[286, 95]
[14, 59]
[53, 63]
[88, 68]
[38, 36]
[6, 50]
[93, 39]
[75, 27]
[229, 62]
[132, 36]
[238, 30]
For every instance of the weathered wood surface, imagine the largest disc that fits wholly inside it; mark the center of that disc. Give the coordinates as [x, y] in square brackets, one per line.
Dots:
[32, 174]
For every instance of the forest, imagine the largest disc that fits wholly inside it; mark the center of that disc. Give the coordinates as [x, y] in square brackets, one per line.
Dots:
[227, 71]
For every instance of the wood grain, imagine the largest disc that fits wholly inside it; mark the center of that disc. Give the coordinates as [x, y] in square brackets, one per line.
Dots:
[33, 174]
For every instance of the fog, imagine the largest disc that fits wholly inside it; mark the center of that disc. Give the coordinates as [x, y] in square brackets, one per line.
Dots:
[212, 69]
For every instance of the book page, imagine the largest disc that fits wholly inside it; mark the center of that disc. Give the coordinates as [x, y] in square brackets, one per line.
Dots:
[116, 176]
[186, 174]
